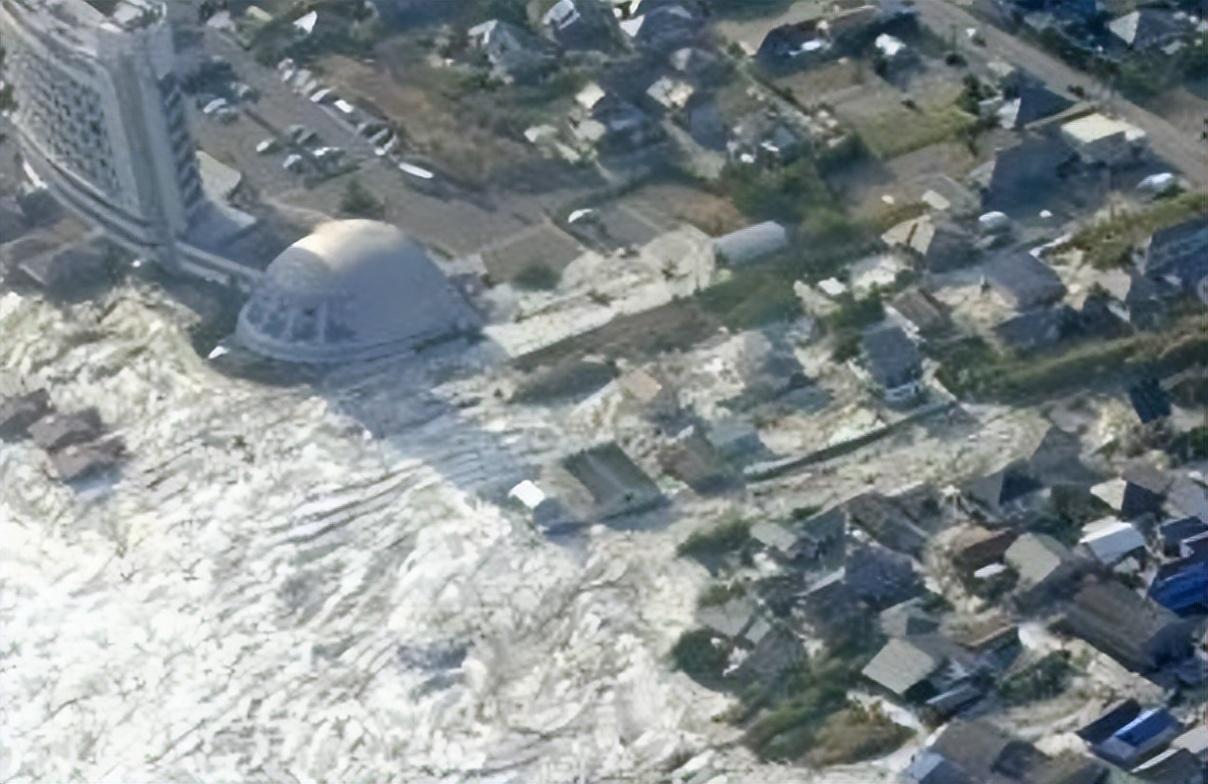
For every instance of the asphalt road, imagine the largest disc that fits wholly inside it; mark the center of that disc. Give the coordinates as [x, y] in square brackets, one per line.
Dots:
[1188, 153]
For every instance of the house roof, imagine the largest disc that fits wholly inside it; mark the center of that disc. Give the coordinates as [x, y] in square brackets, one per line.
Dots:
[1146, 27]
[901, 666]
[1149, 400]
[1180, 232]
[1188, 497]
[1036, 328]
[1097, 127]
[1175, 531]
[1009, 483]
[1111, 720]
[1036, 557]
[1057, 459]
[907, 619]
[59, 430]
[880, 576]
[890, 357]
[774, 535]
[612, 478]
[1130, 616]
[921, 309]
[1173, 766]
[974, 746]
[749, 33]
[1035, 101]
[1146, 476]
[729, 619]
[1021, 172]
[1023, 280]
[1109, 540]
[19, 412]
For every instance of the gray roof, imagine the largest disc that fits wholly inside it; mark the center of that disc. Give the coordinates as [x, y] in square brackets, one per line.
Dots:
[774, 535]
[1036, 328]
[729, 619]
[1037, 557]
[891, 358]
[752, 243]
[353, 289]
[901, 665]
[1023, 280]
[60, 430]
[18, 413]
[921, 309]
[80, 461]
[615, 482]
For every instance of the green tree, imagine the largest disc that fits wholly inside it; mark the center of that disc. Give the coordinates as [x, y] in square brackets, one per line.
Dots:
[700, 655]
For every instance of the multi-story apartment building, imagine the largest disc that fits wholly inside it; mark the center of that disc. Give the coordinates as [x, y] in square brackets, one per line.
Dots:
[102, 121]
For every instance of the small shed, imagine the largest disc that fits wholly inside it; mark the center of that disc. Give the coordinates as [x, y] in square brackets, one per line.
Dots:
[57, 431]
[751, 243]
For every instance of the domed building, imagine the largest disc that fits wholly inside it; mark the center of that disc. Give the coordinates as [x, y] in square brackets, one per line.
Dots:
[354, 289]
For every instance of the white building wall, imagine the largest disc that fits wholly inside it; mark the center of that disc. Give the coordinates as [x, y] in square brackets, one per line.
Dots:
[101, 120]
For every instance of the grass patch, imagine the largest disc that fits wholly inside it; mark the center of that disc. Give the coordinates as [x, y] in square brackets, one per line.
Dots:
[786, 194]
[1109, 243]
[970, 368]
[753, 298]
[790, 730]
[899, 130]
[855, 734]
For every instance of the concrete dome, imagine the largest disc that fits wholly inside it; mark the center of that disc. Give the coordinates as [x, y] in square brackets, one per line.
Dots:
[354, 289]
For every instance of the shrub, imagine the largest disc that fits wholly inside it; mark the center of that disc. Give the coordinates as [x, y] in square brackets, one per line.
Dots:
[359, 202]
[725, 538]
[1045, 679]
[856, 314]
[784, 193]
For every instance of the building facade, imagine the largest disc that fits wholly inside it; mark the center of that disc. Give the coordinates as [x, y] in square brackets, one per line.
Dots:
[102, 122]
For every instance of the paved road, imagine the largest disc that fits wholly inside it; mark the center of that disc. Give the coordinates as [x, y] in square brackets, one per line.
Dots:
[1176, 147]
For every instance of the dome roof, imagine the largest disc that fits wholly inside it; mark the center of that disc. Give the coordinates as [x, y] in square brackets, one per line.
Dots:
[351, 290]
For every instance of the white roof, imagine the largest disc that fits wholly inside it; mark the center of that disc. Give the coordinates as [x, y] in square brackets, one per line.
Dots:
[1096, 127]
[1111, 492]
[528, 494]
[1109, 540]
[832, 287]
[590, 95]
[888, 45]
[306, 22]
[1126, 26]
[351, 288]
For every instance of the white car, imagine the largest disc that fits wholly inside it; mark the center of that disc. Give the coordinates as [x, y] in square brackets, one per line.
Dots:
[268, 146]
[417, 172]
[322, 95]
[214, 106]
[293, 163]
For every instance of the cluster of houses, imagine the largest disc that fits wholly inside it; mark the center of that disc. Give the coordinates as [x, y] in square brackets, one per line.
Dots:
[1128, 583]
[662, 68]
[1109, 29]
